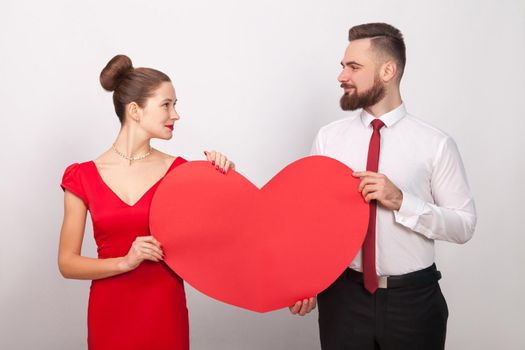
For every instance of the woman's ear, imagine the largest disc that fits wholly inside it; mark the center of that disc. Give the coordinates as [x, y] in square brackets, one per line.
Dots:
[134, 111]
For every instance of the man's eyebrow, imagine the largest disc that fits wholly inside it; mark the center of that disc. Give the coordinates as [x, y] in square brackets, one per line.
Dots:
[350, 63]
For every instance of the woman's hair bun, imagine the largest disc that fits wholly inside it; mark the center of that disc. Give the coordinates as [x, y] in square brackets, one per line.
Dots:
[116, 70]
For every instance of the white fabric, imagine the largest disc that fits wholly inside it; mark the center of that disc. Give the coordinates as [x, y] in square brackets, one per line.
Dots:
[424, 163]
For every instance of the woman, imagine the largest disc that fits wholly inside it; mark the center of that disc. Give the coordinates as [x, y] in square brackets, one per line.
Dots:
[136, 301]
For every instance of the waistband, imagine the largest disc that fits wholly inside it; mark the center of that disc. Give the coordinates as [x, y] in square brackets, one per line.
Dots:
[417, 278]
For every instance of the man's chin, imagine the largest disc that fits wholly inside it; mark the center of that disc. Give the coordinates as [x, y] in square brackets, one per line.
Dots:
[347, 106]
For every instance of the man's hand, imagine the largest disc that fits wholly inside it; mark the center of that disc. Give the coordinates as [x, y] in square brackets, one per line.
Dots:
[379, 187]
[302, 307]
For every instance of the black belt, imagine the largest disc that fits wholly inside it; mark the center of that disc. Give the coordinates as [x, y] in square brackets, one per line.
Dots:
[416, 278]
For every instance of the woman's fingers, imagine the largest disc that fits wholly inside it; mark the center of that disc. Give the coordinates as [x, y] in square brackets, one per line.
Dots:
[153, 247]
[212, 156]
[149, 251]
[150, 258]
[149, 239]
[222, 162]
[207, 155]
[227, 166]
[219, 160]
[142, 245]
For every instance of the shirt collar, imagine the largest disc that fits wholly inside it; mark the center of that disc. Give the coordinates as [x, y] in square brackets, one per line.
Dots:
[389, 118]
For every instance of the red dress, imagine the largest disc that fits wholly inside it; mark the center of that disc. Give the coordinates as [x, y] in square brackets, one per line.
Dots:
[141, 309]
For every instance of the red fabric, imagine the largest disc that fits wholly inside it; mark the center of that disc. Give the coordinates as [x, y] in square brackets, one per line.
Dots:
[144, 308]
[369, 246]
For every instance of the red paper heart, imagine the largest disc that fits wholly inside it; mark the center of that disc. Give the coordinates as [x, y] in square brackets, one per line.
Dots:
[264, 249]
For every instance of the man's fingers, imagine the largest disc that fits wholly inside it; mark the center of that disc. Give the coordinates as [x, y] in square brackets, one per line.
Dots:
[362, 174]
[366, 181]
[304, 307]
[312, 302]
[295, 308]
[371, 188]
[371, 196]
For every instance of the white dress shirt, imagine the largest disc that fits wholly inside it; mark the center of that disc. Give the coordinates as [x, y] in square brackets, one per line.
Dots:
[424, 163]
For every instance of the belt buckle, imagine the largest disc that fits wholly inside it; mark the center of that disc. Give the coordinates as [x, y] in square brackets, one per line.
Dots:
[382, 282]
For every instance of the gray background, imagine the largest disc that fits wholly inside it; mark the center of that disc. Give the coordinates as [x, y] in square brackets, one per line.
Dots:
[255, 80]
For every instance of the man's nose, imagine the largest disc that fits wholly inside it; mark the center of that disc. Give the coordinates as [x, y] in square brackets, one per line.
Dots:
[343, 76]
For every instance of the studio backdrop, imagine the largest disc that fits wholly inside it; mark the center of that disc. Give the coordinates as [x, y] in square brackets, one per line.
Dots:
[255, 80]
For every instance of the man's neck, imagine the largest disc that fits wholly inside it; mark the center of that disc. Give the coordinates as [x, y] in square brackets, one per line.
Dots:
[390, 102]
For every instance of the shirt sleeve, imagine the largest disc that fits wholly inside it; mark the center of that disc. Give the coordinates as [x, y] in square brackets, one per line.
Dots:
[452, 216]
[317, 149]
[71, 182]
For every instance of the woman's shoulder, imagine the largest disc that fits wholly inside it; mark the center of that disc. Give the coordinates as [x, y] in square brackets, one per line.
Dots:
[170, 159]
[76, 167]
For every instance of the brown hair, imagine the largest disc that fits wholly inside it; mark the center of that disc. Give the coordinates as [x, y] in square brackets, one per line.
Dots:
[384, 38]
[129, 84]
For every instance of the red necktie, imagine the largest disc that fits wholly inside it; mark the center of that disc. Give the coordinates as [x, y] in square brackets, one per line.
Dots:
[369, 245]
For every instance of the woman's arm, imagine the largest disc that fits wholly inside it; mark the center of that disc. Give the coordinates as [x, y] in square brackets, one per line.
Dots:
[72, 265]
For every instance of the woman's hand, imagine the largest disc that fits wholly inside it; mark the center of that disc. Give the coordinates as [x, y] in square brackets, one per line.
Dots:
[143, 248]
[220, 161]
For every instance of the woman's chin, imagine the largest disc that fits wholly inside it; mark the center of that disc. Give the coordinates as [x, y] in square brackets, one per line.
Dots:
[165, 135]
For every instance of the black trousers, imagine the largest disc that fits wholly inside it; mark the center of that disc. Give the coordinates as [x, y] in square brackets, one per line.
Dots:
[410, 317]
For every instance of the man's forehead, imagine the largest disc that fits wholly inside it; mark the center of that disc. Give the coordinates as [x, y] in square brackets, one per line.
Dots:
[358, 50]
[359, 45]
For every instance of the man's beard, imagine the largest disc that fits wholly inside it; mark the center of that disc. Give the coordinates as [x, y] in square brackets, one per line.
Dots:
[362, 100]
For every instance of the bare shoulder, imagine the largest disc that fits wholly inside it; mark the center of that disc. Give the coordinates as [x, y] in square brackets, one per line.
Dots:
[167, 158]
[104, 160]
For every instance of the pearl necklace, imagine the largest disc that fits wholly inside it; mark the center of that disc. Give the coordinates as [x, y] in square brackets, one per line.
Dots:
[130, 158]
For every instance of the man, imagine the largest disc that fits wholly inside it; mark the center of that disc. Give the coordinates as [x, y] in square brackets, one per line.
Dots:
[412, 176]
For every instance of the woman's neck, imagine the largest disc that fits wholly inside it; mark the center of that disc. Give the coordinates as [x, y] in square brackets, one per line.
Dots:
[132, 142]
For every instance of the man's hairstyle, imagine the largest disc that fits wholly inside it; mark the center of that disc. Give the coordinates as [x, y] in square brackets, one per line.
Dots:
[385, 39]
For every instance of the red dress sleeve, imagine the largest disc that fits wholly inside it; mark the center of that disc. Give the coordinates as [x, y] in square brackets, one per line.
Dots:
[179, 161]
[71, 182]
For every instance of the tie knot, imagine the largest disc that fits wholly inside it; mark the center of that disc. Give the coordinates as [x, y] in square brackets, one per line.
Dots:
[377, 124]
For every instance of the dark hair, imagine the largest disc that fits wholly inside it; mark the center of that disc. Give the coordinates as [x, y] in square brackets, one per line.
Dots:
[129, 84]
[384, 38]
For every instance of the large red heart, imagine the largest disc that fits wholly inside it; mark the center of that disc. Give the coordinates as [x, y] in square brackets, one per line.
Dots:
[264, 249]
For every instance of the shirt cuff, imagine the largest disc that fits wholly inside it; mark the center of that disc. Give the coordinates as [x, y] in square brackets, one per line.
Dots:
[411, 209]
